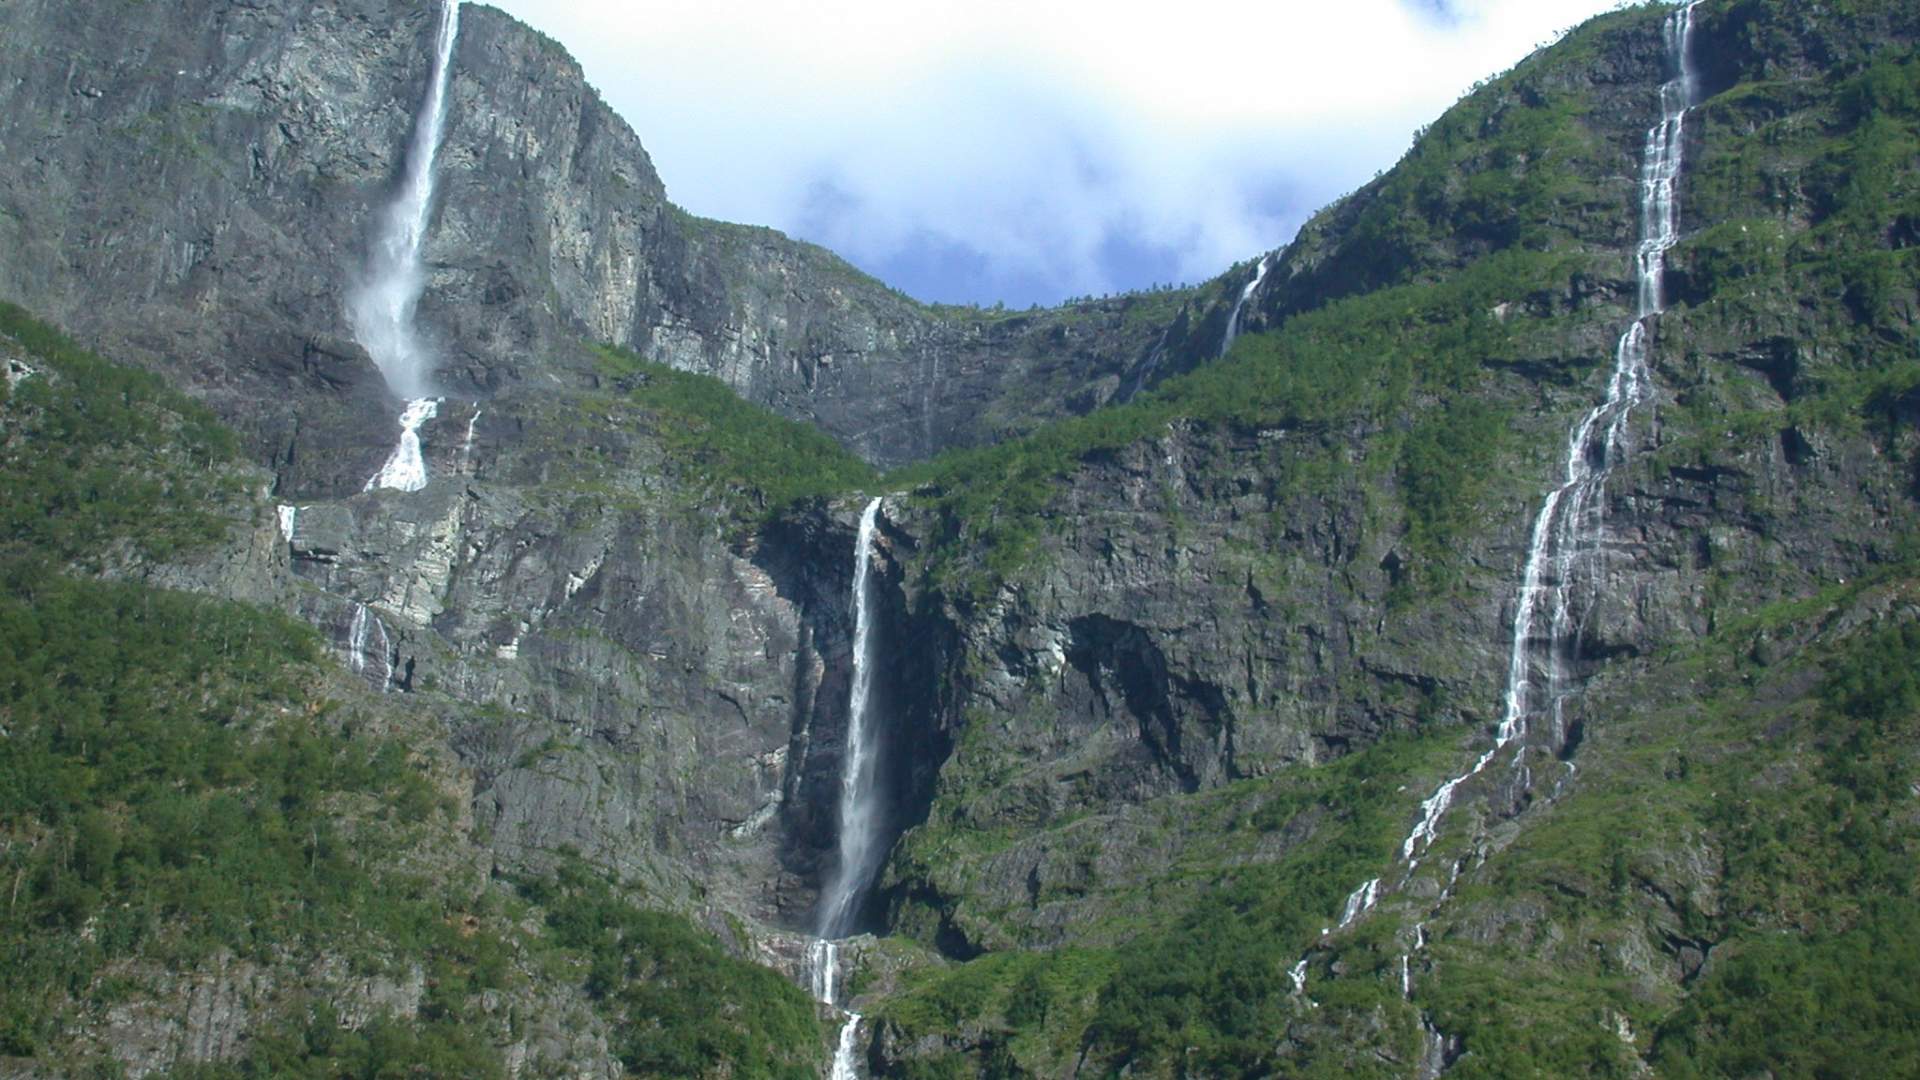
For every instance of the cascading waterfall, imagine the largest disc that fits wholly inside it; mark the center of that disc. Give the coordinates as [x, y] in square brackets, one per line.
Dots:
[1246, 294]
[823, 978]
[381, 310]
[1151, 364]
[860, 809]
[1571, 525]
[406, 467]
[1568, 533]
[843, 1051]
[823, 969]
[1360, 902]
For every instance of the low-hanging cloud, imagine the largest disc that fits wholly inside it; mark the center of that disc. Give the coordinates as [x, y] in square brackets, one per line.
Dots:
[989, 151]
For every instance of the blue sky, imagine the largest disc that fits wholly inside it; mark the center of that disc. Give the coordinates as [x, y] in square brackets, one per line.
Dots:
[1029, 152]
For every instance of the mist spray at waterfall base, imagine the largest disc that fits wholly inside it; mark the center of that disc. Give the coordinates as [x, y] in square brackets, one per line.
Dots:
[381, 309]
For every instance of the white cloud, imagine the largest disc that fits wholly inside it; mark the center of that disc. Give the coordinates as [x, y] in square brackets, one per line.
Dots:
[997, 150]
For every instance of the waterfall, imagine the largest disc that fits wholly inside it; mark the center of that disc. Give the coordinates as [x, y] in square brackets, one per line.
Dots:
[406, 467]
[823, 969]
[381, 309]
[1246, 294]
[823, 978]
[371, 662]
[466, 447]
[860, 812]
[289, 519]
[1571, 525]
[1360, 902]
[843, 1051]
[1151, 363]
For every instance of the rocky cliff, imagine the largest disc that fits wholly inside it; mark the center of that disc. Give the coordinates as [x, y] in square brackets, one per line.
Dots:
[192, 189]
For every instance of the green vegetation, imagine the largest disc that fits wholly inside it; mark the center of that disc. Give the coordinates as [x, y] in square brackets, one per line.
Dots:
[1444, 467]
[1202, 983]
[171, 790]
[1760, 826]
[188, 790]
[95, 452]
[1852, 146]
[324, 1049]
[680, 1006]
[1381, 361]
[1828, 1004]
[738, 455]
[1422, 290]
[1210, 992]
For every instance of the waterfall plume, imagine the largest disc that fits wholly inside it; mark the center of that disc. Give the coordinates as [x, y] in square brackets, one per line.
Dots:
[382, 306]
[1246, 294]
[860, 810]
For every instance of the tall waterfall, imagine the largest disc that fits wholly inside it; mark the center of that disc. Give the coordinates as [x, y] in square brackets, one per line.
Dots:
[1571, 526]
[381, 309]
[1246, 294]
[860, 811]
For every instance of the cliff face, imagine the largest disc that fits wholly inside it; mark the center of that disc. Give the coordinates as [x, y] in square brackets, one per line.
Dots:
[1163, 684]
[193, 189]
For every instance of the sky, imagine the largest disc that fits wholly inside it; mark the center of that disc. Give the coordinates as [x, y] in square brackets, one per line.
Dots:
[983, 151]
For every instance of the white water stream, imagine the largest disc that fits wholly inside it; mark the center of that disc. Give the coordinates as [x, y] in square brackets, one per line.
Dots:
[1571, 527]
[406, 467]
[369, 649]
[1572, 521]
[466, 446]
[823, 978]
[381, 309]
[1246, 294]
[860, 809]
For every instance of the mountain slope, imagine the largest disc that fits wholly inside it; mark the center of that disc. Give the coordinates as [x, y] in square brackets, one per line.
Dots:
[226, 855]
[1309, 552]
